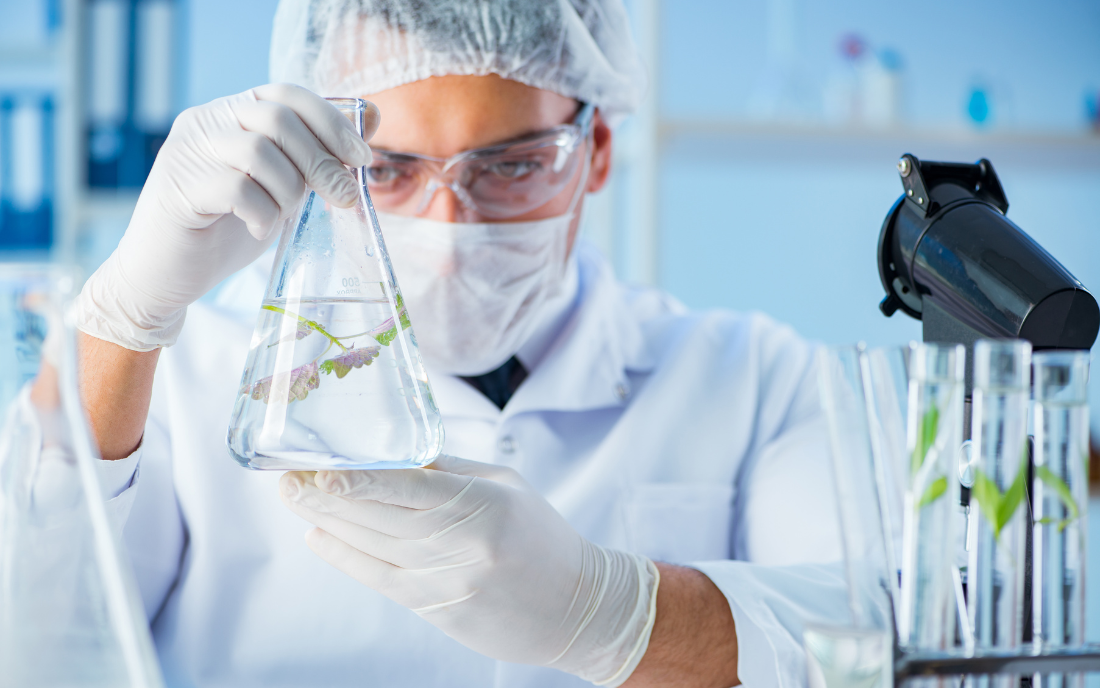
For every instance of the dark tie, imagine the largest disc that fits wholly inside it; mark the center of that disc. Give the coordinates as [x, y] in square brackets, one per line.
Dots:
[499, 385]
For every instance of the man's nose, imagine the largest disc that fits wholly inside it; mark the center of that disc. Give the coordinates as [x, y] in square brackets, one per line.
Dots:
[443, 205]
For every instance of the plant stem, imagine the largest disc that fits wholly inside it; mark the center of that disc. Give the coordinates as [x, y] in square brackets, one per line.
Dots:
[322, 354]
[311, 323]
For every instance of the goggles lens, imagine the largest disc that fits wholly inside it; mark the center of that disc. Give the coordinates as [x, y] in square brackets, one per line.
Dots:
[496, 182]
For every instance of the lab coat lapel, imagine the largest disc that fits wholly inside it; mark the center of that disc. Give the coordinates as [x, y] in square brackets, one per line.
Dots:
[586, 366]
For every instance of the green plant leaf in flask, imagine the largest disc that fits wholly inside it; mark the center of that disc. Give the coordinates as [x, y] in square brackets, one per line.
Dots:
[334, 379]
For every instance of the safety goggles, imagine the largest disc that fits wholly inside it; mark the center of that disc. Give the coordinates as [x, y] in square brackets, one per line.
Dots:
[496, 182]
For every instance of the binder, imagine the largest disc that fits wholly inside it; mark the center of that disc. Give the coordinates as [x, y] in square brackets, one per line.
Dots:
[26, 171]
[153, 106]
[108, 31]
[131, 46]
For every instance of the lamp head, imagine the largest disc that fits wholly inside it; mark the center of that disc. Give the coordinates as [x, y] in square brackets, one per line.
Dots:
[949, 257]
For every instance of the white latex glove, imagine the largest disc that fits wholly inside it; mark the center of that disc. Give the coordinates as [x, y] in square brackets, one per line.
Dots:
[229, 173]
[476, 552]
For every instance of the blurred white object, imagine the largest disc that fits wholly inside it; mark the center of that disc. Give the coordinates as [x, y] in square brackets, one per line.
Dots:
[865, 87]
[782, 91]
[849, 657]
[69, 612]
[840, 95]
[581, 50]
[881, 88]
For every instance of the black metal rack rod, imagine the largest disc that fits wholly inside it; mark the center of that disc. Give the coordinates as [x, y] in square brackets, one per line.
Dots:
[1075, 660]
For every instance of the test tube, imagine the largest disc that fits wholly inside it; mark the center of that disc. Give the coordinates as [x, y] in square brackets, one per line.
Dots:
[1002, 373]
[929, 521]
[1060, 498]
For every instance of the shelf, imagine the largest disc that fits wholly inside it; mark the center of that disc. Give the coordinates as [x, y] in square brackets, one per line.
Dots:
[731, 139]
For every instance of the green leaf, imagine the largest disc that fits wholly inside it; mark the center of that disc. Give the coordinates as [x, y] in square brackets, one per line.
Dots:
[1060, 488]
[402, 313]
[999, 508]
[353, 358]
[926, 437]
[1012, 497]
[987, 495]
[334, 366]
[384, 338]
[934, 492]
[1060, 522]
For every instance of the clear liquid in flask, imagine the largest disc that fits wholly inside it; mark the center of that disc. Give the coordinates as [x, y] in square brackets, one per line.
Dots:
[319, 391]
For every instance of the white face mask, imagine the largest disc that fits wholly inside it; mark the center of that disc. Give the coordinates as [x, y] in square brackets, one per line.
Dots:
[475, 291]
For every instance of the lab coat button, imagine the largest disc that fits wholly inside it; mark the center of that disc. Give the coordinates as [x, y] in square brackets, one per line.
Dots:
[506, 444]
[621, 391]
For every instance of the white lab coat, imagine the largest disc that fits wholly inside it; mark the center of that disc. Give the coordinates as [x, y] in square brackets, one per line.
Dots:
[690, 437]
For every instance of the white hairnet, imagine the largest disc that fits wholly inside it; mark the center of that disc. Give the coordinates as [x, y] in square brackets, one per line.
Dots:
[578, 48]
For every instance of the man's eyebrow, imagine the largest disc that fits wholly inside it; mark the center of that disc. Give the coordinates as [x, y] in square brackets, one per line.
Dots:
[535, 133]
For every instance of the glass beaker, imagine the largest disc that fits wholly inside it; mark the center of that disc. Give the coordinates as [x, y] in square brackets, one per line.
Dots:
[995, 590]
[857, 651]
[931, 513]
[1060, 500]
[868, 555]
[334, 379]
[69, 611]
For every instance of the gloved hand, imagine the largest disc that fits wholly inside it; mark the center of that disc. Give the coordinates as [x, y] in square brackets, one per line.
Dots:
[229, 173]
[476, 552]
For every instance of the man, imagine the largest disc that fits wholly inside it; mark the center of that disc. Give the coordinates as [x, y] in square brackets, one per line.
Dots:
[604, 428]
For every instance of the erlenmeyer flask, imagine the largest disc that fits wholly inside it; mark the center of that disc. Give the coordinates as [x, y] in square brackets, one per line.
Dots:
[69, 612]
[334, 378]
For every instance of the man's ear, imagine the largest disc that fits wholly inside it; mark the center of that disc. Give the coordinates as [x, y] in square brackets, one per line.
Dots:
[601, 153]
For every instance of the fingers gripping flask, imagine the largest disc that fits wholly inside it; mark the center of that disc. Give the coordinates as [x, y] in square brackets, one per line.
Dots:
[334, 378]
